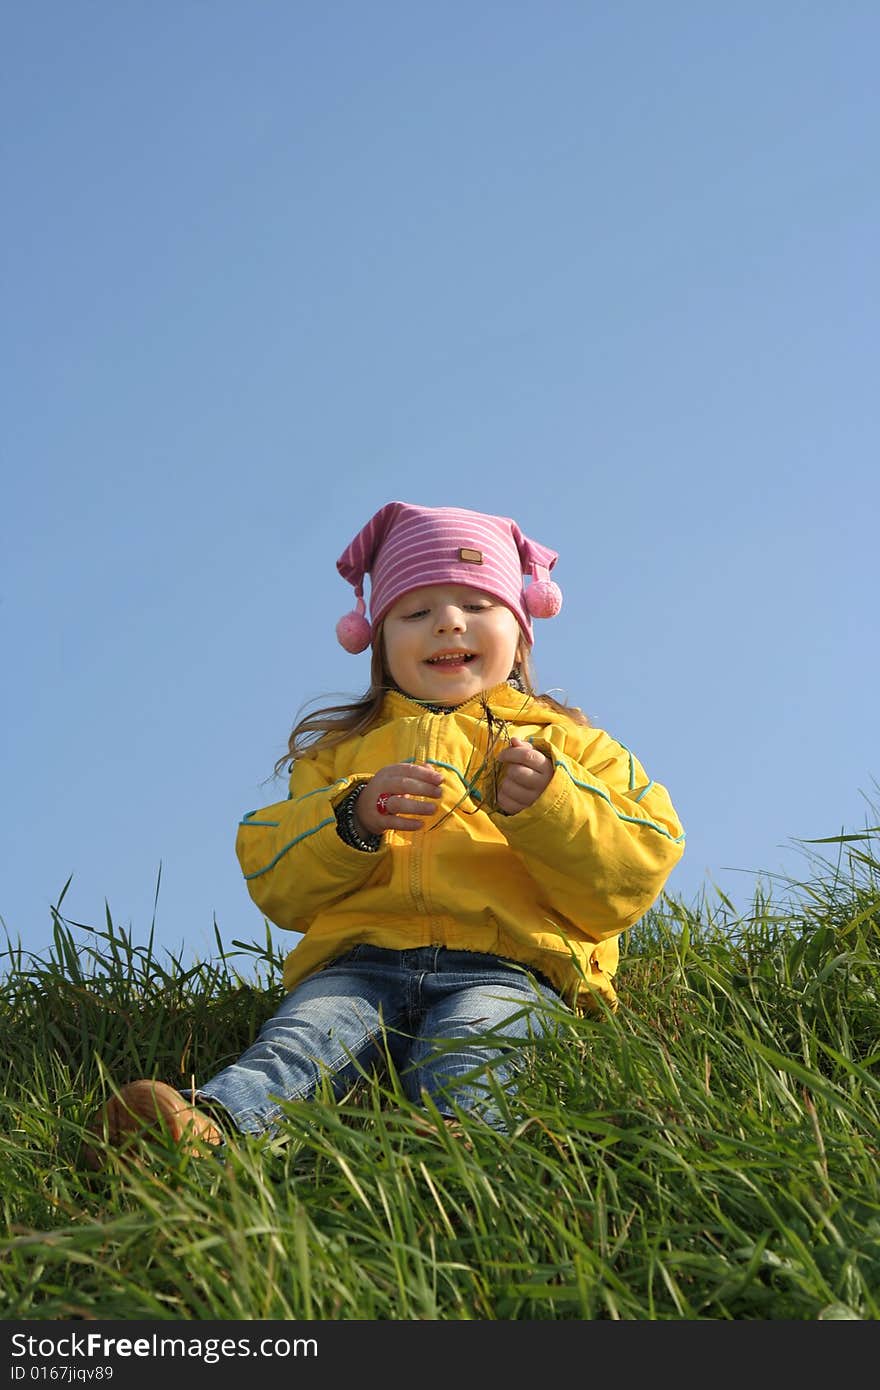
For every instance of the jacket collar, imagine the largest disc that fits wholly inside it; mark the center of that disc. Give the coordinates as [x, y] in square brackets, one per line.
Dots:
[503, 699]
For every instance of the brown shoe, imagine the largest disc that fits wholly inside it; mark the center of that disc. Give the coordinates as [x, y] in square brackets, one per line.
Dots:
[143, 1108]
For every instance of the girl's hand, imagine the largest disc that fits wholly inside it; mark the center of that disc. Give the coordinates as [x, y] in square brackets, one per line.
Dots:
[403, 787]
[527, 772]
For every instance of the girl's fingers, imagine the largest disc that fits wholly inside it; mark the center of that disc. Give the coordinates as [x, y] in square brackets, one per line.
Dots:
[408, 806]
[400, 790]
[409, 816]
[521, 755]
[400, 813]
[516, 775]
[420, 788]
[418, 772]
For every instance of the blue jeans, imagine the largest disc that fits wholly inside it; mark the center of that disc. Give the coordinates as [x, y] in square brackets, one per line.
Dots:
[441, 1017]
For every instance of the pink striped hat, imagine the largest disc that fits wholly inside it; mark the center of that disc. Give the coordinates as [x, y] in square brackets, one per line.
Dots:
[405, 546]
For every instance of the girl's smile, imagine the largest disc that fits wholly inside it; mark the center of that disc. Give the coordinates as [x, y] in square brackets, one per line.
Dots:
[450, 659]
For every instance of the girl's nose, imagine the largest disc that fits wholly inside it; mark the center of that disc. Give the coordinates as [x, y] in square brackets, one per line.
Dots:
[449, 619]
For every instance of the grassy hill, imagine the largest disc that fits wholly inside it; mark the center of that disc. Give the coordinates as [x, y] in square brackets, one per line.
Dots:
[709, 1152]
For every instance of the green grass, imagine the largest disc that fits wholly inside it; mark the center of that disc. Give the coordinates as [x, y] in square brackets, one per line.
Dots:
[709, 1152]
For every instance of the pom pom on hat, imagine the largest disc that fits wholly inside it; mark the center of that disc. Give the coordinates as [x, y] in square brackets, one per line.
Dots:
[543, 597]
[354, 632]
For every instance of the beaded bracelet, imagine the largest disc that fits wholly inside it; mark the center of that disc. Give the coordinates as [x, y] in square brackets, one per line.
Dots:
[346, 826]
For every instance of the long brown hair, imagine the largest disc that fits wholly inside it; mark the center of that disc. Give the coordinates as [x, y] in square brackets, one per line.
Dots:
[330, 724]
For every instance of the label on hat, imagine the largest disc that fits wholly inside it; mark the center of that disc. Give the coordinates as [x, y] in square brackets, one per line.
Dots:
[471, 557]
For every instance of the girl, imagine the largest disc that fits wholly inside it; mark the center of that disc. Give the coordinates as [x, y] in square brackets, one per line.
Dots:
[457, 852]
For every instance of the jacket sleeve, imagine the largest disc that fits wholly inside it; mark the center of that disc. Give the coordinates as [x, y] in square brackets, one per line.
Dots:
[601, 839]
[293, 860]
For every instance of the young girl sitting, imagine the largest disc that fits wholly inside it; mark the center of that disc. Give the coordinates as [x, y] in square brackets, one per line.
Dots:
[457, 851]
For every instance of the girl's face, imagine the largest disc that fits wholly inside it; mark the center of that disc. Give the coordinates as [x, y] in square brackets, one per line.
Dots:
[447, 642]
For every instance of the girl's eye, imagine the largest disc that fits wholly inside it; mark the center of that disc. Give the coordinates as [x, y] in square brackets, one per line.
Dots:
[479, 607]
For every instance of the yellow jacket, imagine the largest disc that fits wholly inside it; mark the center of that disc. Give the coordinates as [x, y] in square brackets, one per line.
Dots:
[551, 887]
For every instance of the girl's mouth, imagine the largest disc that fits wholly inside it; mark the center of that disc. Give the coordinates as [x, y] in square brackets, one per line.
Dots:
[450, 659]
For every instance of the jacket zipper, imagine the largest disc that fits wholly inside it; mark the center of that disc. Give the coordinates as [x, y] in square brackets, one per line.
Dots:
[416, 842]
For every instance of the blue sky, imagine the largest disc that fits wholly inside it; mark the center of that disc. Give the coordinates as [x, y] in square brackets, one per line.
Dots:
[609, 268]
